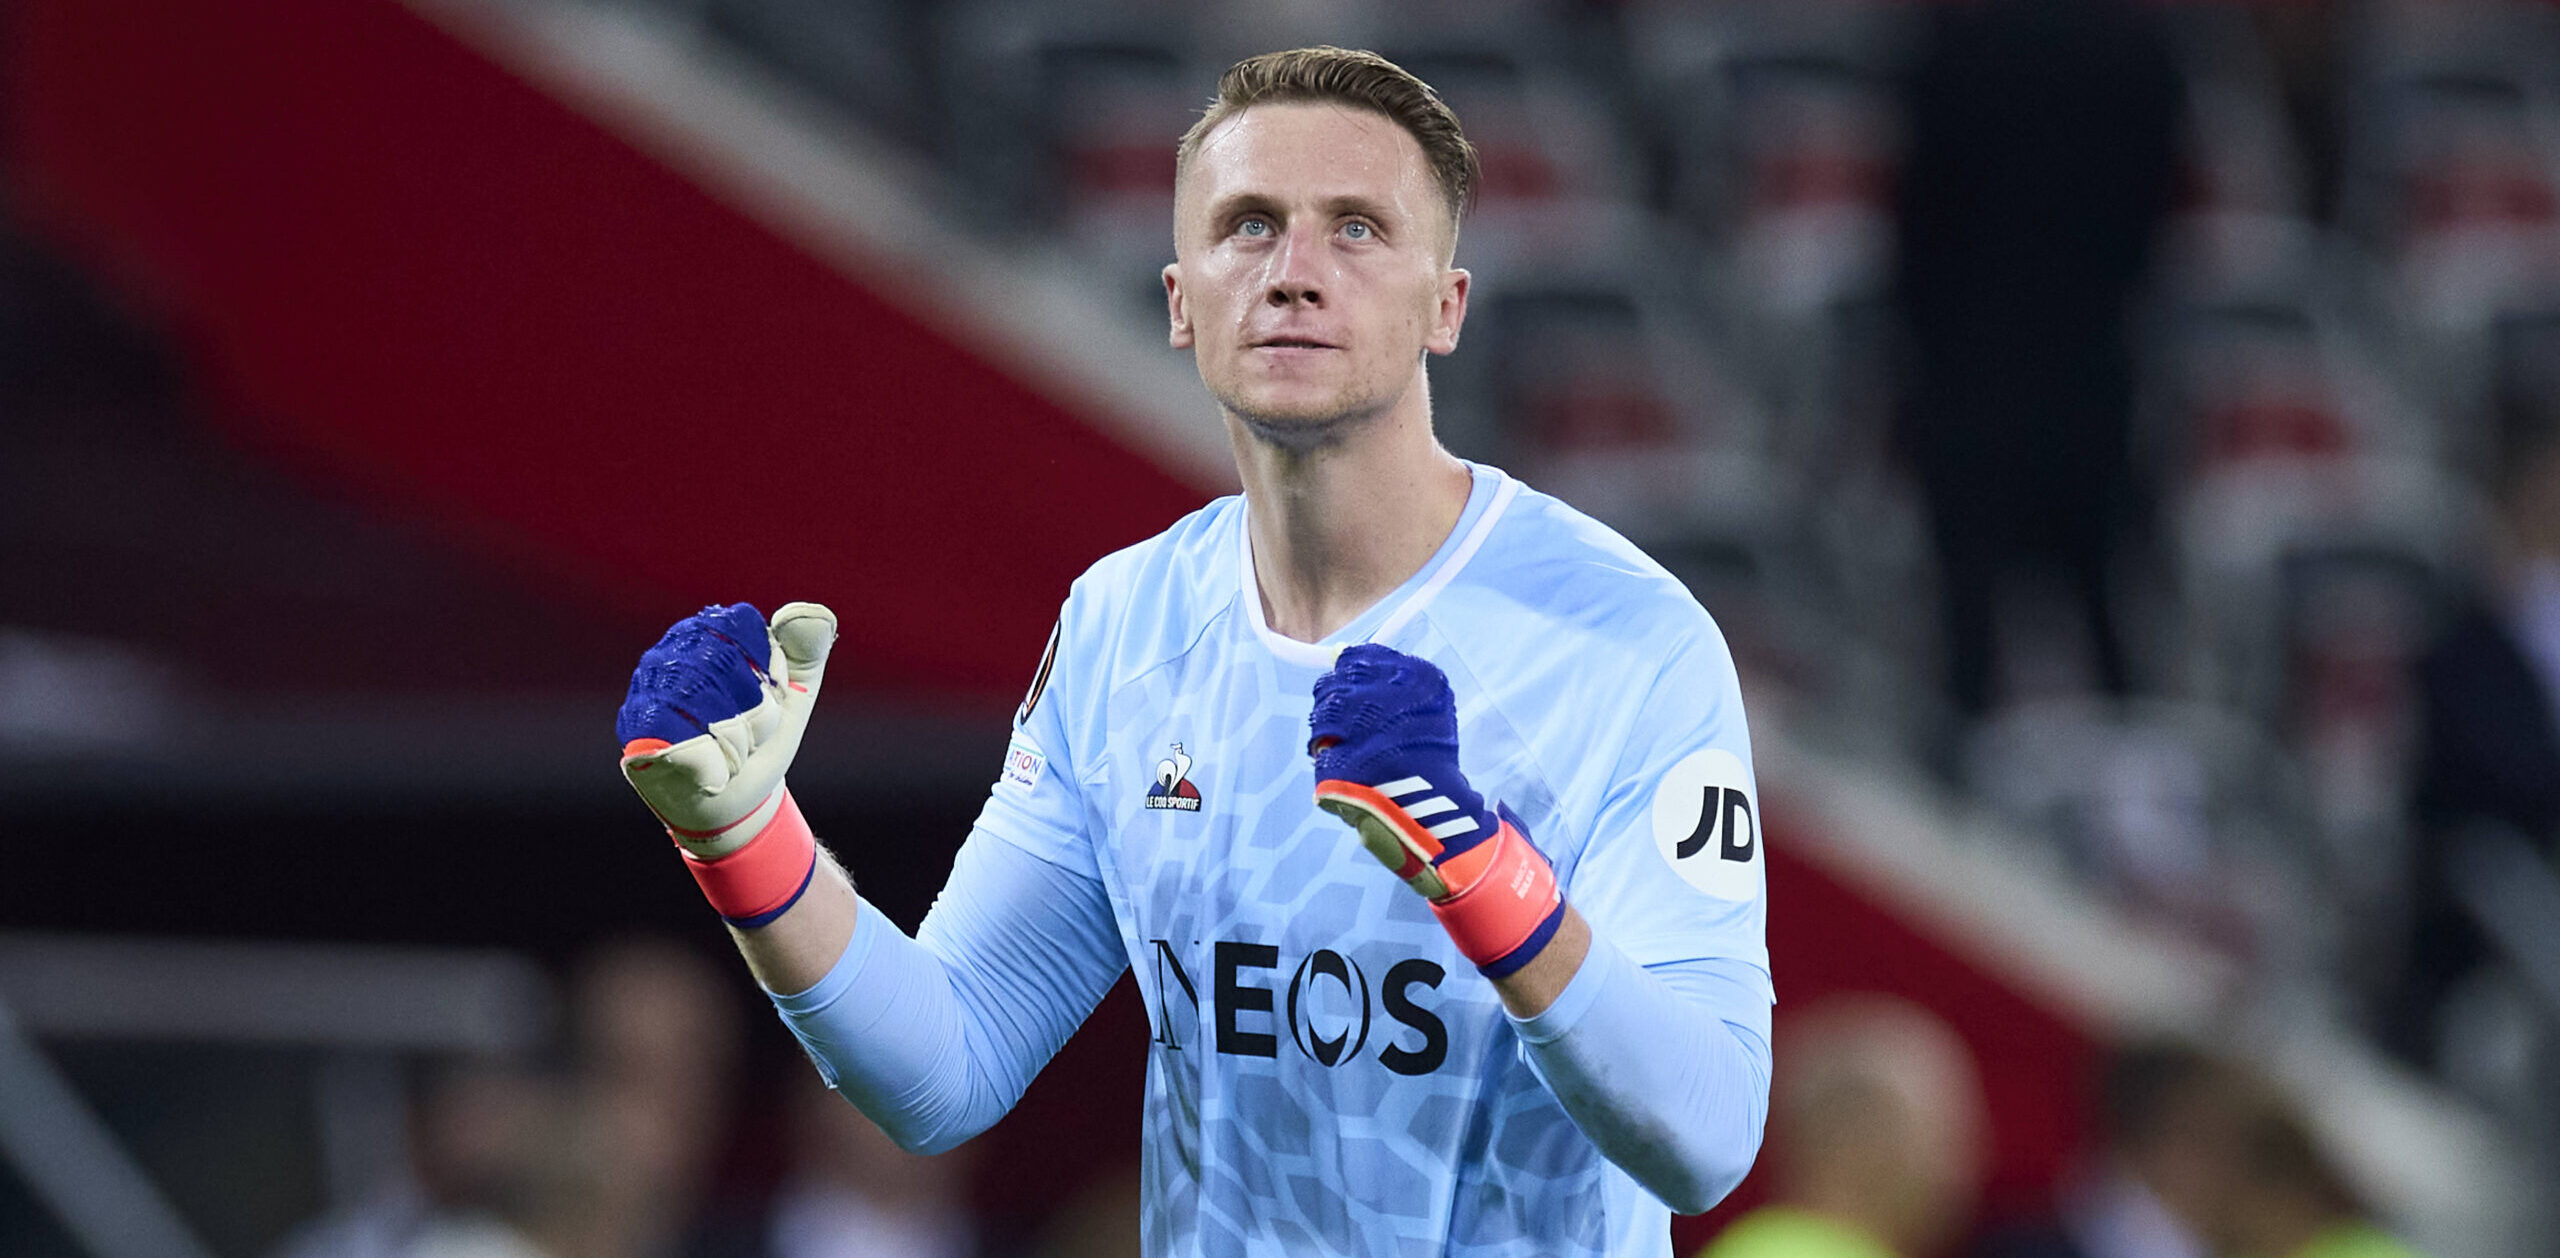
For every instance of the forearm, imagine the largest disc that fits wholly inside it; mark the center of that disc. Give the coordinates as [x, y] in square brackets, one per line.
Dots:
[934, 1038]
[885, 1031]
[796, 950]
[1529, 990]
[1667, 1073]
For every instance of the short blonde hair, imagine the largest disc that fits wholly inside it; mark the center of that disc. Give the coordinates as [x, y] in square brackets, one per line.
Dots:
[1360, 80]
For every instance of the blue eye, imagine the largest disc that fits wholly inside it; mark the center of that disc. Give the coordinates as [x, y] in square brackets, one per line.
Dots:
[1358, 231]
[1253, 227]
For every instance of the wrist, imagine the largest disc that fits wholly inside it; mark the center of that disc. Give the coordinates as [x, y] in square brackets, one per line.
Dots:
[1508, 911]
[1544, 983]
[752, 880]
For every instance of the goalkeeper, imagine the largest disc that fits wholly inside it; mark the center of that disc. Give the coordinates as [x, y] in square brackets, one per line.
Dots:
[1542, 1025]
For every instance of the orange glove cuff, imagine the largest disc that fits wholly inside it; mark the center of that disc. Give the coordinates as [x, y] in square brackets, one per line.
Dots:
[755, 884]
[1508, 910]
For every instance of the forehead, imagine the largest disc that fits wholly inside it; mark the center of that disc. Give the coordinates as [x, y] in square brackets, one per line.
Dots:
[1312, 151]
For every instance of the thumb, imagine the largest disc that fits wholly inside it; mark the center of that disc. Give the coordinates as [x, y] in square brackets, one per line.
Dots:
[803, 633]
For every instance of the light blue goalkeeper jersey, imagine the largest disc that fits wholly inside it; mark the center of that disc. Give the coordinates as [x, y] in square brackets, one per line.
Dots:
[1327, 1074]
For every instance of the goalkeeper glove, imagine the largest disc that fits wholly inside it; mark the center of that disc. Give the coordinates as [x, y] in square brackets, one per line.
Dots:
[714, 716]
[1385, 742]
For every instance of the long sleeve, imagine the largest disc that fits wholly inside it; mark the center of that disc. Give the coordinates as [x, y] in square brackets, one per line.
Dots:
[1658, 1048]
[935, 1037]
[1665, 1068]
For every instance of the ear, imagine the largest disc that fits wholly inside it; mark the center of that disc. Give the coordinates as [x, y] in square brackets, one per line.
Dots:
[1175, 308]
[1451, 313]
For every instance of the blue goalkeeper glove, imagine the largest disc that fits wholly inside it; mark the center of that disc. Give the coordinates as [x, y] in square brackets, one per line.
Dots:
[1385, 741]
[714, 716]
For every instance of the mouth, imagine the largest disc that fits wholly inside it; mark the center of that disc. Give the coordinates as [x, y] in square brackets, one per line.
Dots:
[1293, 342]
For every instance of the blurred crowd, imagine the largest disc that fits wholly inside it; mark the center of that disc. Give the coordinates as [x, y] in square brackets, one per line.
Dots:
[2142, 420]
[608, 1151]
[1876, 1143]
[2136, 417]
[626, 1142]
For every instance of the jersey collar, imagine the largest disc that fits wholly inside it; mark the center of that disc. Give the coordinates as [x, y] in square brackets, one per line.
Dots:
[1491, 492]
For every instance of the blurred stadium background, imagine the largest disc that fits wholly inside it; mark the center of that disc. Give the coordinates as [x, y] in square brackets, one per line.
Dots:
[2118, 444]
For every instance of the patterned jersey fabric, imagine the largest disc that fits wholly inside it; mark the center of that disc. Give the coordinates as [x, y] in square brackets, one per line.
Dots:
[1327, 1075]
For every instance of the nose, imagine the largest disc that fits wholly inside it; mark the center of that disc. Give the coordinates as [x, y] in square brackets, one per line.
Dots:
[1296, 274]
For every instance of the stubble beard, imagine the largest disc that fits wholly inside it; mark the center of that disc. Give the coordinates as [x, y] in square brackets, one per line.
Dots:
[1304, 431]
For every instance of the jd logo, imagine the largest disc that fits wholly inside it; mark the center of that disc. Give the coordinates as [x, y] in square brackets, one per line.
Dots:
[1329, 1008]
[1707, 824]
[1721, 810]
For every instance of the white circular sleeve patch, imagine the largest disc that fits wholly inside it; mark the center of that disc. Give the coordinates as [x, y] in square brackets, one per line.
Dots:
[1706, 821]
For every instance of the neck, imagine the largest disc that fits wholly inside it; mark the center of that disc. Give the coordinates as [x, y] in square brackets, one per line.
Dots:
[1339, 524]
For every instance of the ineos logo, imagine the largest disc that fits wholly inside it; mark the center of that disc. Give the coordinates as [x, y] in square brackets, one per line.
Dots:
[1330, 1008]
[1327, 963]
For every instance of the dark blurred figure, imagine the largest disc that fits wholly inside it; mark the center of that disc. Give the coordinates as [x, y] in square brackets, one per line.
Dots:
[2234, 1161]
[851, 1192]
[2042, 161]
[608, 1155]
[656, 1039]
[1876, 1131]
[2489, 699]
[480, 1137]
[2204, 1159]
[2110, 1209]
[2305, 47]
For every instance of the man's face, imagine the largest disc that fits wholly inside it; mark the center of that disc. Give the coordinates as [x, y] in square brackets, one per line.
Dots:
[1311, 268]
